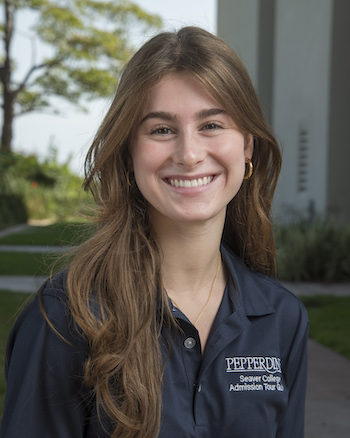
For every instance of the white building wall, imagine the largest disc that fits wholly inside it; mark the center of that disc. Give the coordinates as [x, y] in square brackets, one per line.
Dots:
[238, 26]
[301, 100]
[300, 89]
[339, 140]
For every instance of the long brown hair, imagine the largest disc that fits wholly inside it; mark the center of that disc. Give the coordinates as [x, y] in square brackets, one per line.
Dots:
[114, 282]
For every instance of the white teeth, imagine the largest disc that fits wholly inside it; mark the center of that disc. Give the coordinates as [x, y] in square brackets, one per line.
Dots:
[191, 183]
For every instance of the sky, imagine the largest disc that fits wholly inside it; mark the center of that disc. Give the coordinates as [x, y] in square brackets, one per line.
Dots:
[72, 132]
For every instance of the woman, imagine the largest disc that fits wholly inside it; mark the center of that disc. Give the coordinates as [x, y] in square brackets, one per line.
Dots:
[167, 322]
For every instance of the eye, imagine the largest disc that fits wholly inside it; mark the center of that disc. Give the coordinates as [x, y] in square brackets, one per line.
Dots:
[212, 126]
[161, 130]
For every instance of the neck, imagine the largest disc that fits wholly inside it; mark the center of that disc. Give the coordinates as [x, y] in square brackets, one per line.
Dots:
[191, 254]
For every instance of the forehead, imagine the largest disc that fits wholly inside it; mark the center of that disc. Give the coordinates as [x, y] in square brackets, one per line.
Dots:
[176, 91]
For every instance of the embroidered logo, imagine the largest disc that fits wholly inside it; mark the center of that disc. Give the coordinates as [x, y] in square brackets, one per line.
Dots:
[253, 363]
[268, 381]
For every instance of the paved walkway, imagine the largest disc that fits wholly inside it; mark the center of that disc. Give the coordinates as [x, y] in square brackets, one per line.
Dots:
[328, 392]
[21, 283]
[12, 230]
[307, 289]
[33, 248]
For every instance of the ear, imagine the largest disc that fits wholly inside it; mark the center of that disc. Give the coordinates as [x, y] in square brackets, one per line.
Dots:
[248, 146]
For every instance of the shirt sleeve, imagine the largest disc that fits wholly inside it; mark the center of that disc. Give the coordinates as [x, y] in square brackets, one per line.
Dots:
[291, 424]
[45, 395]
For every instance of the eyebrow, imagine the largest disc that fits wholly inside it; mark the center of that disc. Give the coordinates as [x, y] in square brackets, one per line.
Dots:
[171, 117]
[159, 115]
[209, 112]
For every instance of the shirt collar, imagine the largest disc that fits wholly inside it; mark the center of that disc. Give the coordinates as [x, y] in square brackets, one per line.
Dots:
[245, 292]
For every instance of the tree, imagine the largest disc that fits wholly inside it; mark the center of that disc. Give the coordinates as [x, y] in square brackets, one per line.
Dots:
[89, 44]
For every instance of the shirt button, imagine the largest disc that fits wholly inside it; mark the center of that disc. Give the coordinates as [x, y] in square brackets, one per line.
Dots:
[189, 343]
[199, 388]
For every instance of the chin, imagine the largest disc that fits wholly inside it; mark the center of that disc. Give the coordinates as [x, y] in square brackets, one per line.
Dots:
[199, 217]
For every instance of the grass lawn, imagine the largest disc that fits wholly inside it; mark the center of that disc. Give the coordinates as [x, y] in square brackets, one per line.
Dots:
[10, 305]
[330, 321]
[60, 234]
[18, 263]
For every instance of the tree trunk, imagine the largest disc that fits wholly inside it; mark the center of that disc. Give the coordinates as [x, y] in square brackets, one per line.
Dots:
[5, 76]
[6, 134]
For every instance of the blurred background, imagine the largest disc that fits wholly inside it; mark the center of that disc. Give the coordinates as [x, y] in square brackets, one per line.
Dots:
[297, 53]
[59, 66]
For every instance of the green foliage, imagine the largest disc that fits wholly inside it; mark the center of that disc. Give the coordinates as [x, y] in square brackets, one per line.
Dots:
[90, 43]
[12, 210]
[49, 189]
[29, 100]
[318, 252]
[12, 206]
[330, 322]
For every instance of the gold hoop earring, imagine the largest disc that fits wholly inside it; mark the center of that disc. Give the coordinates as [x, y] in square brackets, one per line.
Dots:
[128, 178]
[250, 170]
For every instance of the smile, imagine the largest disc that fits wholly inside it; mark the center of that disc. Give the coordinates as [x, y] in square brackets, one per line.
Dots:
[187, 183]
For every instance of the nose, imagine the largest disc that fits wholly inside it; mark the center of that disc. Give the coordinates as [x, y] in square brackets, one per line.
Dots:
[189, 150]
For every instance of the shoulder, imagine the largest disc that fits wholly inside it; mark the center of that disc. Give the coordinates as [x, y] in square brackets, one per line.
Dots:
[51, 299]
[48, 317]
[44, 367]
[288, 317]
[259, 292]
[273, 311]
[52, 296]
[278, 294]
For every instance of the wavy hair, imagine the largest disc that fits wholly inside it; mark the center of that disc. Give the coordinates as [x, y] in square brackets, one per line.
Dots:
[114, 283]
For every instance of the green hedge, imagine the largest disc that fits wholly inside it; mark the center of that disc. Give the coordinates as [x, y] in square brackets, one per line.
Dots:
[49, 189]
[317, 252]
[12, 210]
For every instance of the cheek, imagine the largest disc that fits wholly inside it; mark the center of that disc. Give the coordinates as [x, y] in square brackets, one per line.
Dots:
[144, 167]
[233, 158]
[240, 166]
[139, 158]
[147, 159]
[140, 168]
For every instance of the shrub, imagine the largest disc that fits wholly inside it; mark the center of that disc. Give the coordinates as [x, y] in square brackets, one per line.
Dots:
[318, 252]
[12, 207]
[12, 210]
[49, 189]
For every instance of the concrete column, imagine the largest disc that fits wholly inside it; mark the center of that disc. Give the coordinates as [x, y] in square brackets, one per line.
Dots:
[301, 103]
[338, 195]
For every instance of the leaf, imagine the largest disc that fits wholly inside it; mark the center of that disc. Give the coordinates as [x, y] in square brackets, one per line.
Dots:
[88, 44]
[28, 101]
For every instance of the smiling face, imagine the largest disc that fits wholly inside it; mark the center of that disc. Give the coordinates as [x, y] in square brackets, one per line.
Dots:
[188, 155]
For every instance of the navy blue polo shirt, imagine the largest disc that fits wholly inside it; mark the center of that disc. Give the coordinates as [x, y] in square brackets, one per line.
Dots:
[249, 382]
